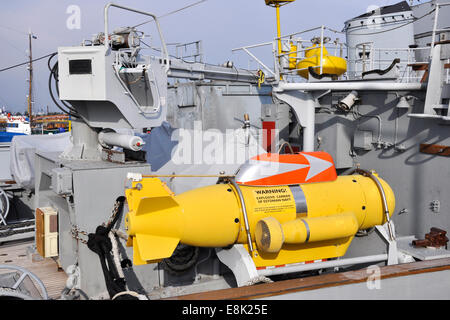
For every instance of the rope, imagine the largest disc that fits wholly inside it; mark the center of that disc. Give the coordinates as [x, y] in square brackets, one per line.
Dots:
[120, 234]
[130, 293]
[101, 244]
[115, 252]
[256, 280]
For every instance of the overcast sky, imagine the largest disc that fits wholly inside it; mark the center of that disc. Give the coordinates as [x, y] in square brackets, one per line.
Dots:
[221, 25]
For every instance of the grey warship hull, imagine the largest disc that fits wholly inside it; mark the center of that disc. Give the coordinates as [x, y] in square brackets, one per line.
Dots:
[397, 123]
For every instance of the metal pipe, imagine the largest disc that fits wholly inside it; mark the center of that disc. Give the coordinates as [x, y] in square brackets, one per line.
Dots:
[349, 86]
[114, 139]
[321, 49]
[383, 198]
[186, 176]
[163, 43]
[252, 46]
[433, 37]
[25, 273]
[244, 211]
[259, 61]
[278, 28]
[428, 116]
[322, 265]
[309, 129]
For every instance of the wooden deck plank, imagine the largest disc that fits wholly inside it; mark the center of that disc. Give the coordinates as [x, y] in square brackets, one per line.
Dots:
[46, 270]
[317, 282]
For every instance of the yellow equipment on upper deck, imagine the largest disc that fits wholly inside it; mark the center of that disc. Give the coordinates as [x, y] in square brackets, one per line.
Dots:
[330, 64]
[277, 2]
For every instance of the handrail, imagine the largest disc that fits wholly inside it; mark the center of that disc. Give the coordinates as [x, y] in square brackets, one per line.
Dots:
[375, 179]
[374, 60]
[163, 43]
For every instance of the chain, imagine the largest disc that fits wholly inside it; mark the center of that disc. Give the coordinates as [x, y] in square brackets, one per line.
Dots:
[76, 232]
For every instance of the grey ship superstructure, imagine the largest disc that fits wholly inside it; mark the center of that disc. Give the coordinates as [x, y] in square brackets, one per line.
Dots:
[388, 112]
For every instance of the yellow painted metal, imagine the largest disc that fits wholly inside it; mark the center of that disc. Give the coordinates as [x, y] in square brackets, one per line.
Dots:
[331, 64]
[277, 6]
[159, 220]
[212, 217]
[271, 235]
[293, 57]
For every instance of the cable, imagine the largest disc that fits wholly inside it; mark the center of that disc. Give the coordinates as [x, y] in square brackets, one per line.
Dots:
[49, 60]
[170, 13]
[13, 46]
[368, 34]
[54, 74]
[24, 63]
[11, 29]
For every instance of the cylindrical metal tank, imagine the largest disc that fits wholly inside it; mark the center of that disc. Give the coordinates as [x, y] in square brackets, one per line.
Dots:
[376, 38]
[288, 224]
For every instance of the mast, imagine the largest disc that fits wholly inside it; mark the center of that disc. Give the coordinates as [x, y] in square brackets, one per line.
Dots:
[30, 69]
[30, 81]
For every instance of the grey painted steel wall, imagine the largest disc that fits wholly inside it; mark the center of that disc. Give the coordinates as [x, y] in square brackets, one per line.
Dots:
[416, 178]
[423, 27]
[388, 31]
[96, 186]
[424, 286]
[218, 105]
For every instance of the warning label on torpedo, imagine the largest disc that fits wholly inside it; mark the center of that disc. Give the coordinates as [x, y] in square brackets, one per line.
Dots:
[273, 200]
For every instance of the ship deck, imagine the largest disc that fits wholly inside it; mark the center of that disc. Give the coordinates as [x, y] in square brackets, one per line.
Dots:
[47, 270]
[417, 280]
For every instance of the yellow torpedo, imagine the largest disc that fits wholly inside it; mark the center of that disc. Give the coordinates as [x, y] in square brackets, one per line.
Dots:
[288, 224]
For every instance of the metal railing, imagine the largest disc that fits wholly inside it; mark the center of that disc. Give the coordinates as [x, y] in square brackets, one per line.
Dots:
[374, 58]
[184, 51]
[280, 61]
[371, 57]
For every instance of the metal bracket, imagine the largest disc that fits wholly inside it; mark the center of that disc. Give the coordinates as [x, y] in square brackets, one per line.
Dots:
[392, 251]
[239, 261]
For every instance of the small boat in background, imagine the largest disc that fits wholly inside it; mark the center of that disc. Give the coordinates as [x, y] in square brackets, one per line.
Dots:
[12, 126]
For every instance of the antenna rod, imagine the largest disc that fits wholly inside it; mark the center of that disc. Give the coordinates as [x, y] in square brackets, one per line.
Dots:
[30, 69]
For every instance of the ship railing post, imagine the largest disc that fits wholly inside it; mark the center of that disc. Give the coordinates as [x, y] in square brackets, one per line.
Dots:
[276, 61]
[321, 48]
[433, 37]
